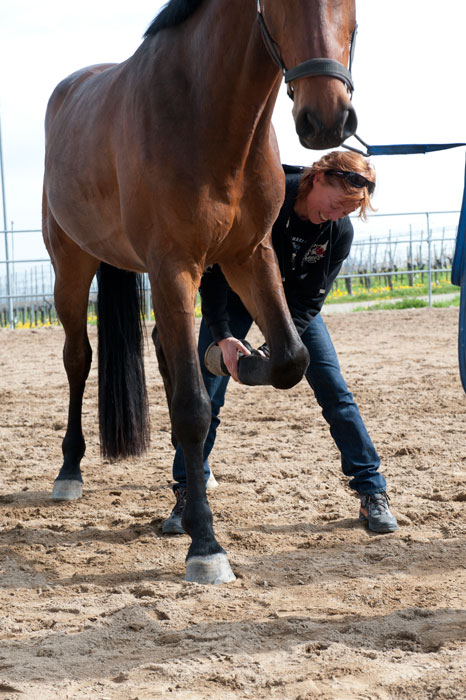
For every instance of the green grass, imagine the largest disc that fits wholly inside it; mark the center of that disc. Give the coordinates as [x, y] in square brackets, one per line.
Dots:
[399, 289]
[409, 303]
[446, 304]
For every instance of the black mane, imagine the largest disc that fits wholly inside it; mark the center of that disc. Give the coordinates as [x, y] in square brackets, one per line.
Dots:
[173, 13]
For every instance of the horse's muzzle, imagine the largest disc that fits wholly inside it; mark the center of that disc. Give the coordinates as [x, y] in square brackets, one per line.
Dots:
[313, 133]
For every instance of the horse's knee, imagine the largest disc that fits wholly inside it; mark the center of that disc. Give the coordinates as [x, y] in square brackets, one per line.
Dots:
[191, 414]
[288, 369]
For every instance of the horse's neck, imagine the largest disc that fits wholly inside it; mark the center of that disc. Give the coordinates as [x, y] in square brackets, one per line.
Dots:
[232, 82]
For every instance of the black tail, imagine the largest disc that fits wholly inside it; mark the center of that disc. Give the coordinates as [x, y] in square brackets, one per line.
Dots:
[123, 410]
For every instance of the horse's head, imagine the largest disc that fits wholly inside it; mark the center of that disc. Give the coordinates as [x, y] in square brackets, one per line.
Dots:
[311, 41]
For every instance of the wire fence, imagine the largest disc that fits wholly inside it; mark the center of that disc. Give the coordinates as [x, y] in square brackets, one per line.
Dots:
[388, 250]
[414, 255]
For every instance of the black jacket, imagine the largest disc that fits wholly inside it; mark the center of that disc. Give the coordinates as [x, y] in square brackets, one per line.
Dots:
[310, 257]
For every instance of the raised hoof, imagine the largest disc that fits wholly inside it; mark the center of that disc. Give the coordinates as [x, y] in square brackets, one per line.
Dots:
[67, 490]
[214, 569]
[213, 360]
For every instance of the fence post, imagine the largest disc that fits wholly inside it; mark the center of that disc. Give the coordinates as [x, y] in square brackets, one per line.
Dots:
[11, 320]
[410, 258]
[429, 259]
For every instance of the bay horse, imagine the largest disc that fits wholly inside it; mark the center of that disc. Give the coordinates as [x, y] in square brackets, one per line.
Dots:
[167, 163]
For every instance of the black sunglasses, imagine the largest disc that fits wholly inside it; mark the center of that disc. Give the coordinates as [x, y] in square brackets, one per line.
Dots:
[354, 179]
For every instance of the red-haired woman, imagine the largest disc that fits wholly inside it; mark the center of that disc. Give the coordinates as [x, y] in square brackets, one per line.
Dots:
[312, 237]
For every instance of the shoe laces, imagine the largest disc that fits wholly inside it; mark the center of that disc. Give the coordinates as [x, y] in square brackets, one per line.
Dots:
[379, 501]
[180, 502]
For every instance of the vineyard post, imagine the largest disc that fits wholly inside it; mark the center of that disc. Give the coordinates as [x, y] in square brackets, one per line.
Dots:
[11, 321]
[429, 258]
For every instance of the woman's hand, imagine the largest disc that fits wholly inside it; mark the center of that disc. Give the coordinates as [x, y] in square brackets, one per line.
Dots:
[230, 348]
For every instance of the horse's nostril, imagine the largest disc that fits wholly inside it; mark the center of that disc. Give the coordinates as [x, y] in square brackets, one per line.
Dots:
[350, 123]
[307, 124]
[317, 134]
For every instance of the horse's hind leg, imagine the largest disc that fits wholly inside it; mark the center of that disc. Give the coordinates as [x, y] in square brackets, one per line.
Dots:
[74, 271]
[163, 368]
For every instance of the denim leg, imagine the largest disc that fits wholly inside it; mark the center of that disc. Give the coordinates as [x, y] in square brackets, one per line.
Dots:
[359, 458]
[240, 323]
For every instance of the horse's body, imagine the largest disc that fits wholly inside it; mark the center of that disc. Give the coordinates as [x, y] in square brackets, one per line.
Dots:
[168, 163]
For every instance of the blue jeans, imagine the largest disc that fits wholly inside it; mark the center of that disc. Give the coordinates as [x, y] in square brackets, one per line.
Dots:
[359, 458]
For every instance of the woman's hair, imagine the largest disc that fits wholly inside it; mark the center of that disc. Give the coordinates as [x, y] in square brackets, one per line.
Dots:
[347, 161]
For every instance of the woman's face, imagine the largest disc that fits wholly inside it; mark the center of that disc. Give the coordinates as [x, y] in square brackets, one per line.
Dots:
[326, 202]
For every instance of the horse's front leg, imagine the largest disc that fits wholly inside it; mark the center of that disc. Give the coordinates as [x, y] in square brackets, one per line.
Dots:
[190, 413]
[257, 280]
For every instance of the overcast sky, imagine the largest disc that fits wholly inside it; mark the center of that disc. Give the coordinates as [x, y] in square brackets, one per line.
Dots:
[408, 71]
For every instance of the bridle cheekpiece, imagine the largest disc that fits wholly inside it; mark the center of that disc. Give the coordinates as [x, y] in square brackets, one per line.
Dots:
[313, 66]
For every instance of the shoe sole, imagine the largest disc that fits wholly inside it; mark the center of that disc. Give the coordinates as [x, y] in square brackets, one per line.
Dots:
[172, 529]
[385, 530]
[213, 360]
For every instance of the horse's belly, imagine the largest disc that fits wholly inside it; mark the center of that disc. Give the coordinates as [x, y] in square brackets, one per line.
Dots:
[100, 235]
[112, 248]
[116, 253]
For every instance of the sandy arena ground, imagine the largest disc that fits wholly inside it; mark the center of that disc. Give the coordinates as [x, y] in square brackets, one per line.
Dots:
[93, 602]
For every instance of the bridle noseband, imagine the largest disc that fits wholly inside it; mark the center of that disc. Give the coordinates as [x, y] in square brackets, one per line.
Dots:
[313, 66]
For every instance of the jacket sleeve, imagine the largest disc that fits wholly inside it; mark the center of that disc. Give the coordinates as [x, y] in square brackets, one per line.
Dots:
[214, 301]
[305, 301]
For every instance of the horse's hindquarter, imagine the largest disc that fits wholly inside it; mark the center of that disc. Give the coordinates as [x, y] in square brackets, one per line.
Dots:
[83, 125]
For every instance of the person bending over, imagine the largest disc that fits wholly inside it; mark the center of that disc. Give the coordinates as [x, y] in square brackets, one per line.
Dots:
[312, 237]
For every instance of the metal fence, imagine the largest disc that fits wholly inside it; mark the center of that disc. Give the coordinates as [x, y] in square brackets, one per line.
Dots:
[421, 247]
[386, 247]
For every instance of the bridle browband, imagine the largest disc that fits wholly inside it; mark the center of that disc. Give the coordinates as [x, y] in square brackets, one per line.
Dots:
[313, 66]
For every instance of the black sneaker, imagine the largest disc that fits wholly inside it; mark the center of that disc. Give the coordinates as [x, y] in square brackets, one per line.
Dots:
[172, 525]
[374, 511]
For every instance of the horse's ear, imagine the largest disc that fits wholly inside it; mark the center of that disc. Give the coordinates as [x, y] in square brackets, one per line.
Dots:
[292, 169]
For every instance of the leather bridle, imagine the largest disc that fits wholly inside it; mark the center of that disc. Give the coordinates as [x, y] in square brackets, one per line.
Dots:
[313, 66]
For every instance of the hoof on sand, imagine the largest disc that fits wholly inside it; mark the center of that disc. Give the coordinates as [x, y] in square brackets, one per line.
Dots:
[67, 490]
[212, 482]
[213, 569]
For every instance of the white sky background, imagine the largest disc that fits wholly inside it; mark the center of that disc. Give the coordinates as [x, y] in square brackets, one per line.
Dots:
[408, 71]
